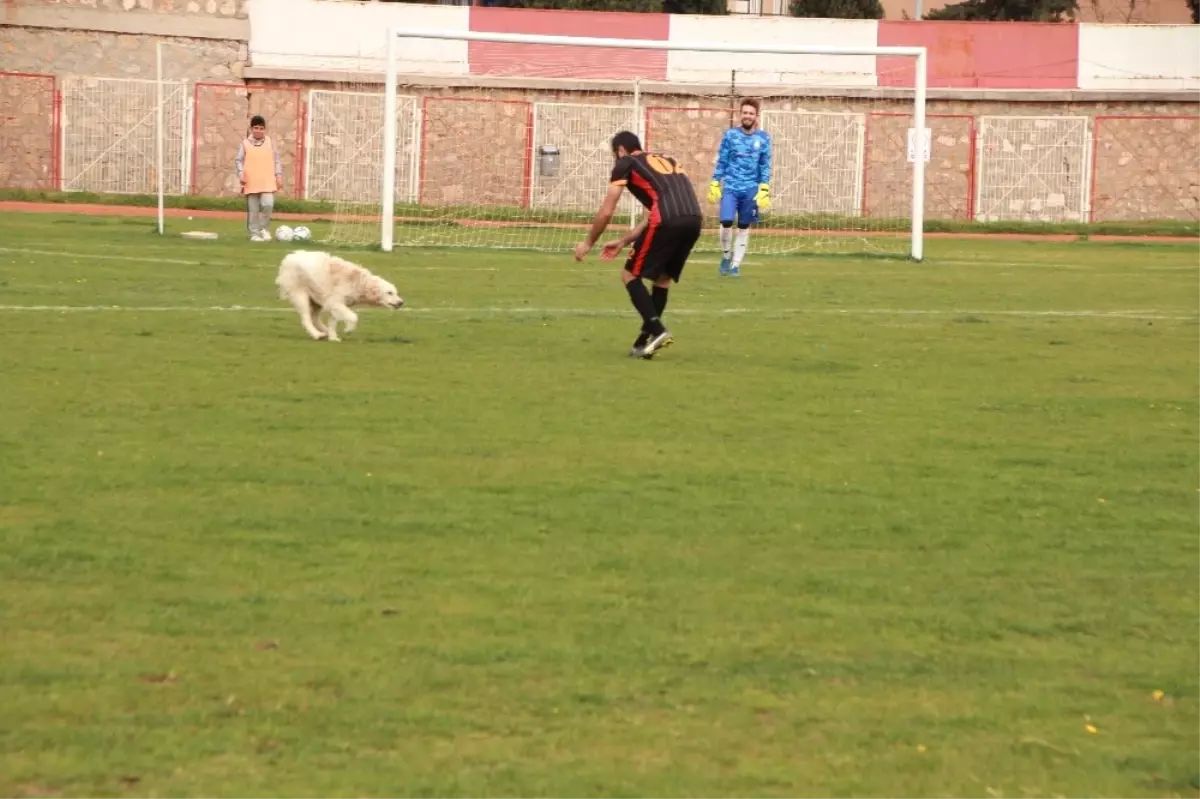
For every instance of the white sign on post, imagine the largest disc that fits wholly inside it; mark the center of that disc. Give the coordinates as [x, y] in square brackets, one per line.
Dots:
[912, 146]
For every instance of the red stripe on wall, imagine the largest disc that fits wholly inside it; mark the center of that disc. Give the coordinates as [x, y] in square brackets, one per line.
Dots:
[568, 62]
[985, 55]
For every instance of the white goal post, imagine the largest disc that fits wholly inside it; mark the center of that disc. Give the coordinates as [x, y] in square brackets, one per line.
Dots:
[159, 134]
[396, 36]
[173, 113]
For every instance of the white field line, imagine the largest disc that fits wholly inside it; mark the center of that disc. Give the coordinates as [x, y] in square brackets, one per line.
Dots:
[1146, 314]
[95, 256]
[769, 266]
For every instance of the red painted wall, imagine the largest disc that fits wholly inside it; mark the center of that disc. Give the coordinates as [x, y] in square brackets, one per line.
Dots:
[986, 55]
[562, 62]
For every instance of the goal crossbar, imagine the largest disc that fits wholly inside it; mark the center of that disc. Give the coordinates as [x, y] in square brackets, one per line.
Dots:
[653, 44]
[395, 35]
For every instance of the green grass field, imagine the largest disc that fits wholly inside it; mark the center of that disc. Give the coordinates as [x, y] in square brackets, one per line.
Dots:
[869, 528]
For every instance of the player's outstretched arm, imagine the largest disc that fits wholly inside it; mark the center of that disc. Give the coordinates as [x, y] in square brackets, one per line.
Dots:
[614, 247]
[600, 223]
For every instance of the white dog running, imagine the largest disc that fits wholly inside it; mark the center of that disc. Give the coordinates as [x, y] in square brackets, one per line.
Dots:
[317, 283]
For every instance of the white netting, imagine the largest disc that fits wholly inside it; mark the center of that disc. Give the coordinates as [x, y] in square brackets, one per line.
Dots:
[1033, 169]
[578, 134]
[819, 161]
[109, 129]
[345, 158]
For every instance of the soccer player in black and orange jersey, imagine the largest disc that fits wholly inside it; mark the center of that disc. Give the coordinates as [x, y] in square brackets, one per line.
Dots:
[661, 243]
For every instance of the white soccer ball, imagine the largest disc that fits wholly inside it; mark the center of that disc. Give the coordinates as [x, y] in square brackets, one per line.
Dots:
[301, 233]
[284, 233]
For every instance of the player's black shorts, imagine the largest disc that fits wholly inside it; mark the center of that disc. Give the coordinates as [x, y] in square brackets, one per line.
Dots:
[662, 250]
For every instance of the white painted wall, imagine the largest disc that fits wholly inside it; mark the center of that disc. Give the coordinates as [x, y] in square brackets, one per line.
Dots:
[350, 34]
[1163, 57]
[797, 70]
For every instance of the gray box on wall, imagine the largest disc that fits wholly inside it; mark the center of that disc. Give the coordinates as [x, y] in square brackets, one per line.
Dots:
[548, 161]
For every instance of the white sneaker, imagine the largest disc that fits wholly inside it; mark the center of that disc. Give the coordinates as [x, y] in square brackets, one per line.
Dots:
[656, 343]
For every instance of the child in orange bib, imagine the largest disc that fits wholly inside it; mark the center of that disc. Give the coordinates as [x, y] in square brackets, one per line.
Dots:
[261, 176]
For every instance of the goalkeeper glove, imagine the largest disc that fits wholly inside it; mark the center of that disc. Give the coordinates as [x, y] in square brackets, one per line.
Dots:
[714, 191]
[763, 198]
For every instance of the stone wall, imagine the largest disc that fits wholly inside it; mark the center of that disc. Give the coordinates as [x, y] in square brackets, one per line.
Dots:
[28, 131]
[478, 147]
[101, 54]
[209, 8]
[458, 134]
[1146, 168]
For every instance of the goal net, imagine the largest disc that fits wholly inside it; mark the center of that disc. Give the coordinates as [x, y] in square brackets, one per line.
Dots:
[345, 157]
[520, 157]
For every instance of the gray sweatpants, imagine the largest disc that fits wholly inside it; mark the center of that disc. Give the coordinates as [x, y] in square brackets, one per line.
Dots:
[258, 211]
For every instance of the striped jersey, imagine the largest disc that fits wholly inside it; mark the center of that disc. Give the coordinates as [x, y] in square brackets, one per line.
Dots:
[658, 183]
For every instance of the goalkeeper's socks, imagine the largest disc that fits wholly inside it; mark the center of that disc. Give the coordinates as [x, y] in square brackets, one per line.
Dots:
[739, 247]
[726, 238]
[645, 306]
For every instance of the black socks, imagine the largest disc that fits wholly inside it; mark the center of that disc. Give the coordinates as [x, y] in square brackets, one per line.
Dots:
[645, 306]
[659, 296]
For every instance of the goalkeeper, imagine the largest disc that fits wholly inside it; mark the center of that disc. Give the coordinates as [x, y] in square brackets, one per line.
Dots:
[741, 183]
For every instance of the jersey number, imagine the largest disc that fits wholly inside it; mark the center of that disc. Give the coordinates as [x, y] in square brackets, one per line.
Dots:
[661, 165]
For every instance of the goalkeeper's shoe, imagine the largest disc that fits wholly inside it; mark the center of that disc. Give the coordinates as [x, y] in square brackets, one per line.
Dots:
[725, 265]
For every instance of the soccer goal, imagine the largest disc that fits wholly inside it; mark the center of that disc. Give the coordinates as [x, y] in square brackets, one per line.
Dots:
[521, 160]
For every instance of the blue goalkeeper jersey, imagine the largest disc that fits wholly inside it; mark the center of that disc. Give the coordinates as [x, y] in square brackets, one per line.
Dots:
[744, 160]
